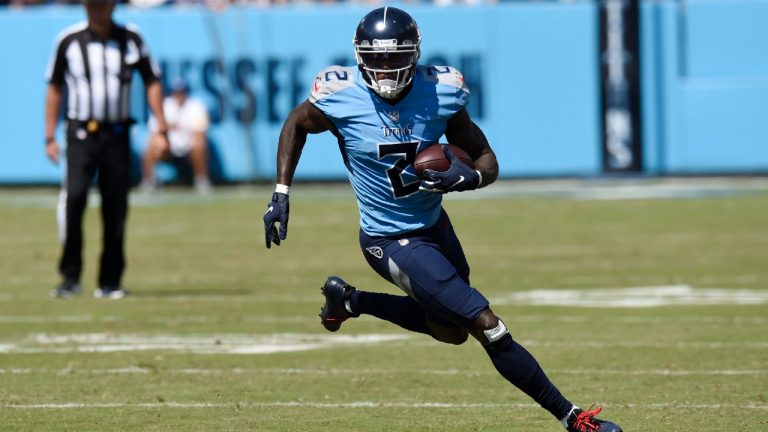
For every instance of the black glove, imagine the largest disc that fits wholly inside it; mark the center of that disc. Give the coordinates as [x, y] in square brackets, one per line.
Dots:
[277, 211]
[457, 178]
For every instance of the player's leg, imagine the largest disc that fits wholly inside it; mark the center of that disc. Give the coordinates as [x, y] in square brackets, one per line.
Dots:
[198, 159]
[344, 301]
[520, 368]
[149, 161]
[114, 182]
[511, 359]
[383, 255]
[517, 365]
[80, 171]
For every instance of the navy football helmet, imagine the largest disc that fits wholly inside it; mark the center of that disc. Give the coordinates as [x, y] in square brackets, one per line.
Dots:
[387, 48]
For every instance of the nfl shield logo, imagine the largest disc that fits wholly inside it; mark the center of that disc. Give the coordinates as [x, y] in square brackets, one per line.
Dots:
[394, 116]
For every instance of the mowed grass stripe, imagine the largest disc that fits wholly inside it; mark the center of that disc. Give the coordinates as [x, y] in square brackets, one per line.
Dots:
[367, 404]
[201, 269]
[360, 372]
[521, 318]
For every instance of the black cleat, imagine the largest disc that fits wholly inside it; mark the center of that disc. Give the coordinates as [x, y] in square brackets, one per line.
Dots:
[585, 421]
[334, 312]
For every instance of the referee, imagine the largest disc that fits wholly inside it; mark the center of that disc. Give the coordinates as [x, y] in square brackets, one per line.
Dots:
[96, 60]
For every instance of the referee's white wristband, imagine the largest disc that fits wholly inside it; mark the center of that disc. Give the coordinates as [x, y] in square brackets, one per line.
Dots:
[283, 189]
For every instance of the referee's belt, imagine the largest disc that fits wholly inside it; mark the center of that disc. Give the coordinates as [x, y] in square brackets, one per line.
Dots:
[93, 126]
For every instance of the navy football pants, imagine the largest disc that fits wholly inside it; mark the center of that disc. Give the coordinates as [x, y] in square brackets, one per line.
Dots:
[430, 266]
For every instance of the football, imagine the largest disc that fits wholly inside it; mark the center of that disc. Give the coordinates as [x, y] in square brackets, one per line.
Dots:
[433, 158]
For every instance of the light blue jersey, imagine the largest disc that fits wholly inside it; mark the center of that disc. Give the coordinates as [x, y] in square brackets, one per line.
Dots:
[379, 141]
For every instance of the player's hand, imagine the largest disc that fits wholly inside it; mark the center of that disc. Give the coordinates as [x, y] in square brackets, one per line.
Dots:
[162, 146]
[277, 211]
[52, 150]
[457, 178]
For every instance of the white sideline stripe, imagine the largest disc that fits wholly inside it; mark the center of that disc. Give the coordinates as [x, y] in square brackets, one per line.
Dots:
[41, 343]
[194, 344]
[309, 371]
[364, 404]
[636, 297]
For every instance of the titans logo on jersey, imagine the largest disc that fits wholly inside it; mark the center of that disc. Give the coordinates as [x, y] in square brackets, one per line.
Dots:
[379, 141]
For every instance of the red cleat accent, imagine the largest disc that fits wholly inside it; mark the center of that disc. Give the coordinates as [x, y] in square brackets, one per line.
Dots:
[585, 421]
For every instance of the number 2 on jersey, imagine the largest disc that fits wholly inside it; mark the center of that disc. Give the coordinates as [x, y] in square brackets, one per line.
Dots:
[395, 174]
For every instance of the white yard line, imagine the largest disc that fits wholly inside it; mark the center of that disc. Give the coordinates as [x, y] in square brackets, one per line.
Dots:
[42, 343]
[191, 344]
[636, 297]
[364, 404]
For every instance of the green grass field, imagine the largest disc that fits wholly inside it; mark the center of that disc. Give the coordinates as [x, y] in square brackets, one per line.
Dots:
[221, 334]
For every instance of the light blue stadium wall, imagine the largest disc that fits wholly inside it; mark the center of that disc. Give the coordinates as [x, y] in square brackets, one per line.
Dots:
[705, 86]
[532, 69]
[532, 66]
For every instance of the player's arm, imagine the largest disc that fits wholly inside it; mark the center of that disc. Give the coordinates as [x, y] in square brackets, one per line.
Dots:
[55, 72]
[52, 107]
[463, 132]
[153, 88]
[154, 92]
[302, 121]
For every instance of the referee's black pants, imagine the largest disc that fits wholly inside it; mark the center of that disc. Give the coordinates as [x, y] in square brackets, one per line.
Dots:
[106, 152]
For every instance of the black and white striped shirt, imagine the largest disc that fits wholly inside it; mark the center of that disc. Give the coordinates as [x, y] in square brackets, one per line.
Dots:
[97, 72]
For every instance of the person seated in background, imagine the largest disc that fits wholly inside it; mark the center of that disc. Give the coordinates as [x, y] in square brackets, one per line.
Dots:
[188, 123]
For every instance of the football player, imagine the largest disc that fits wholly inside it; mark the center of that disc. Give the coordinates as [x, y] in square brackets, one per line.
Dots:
[383, 112]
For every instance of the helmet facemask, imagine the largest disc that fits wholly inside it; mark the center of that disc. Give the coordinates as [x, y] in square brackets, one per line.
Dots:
[387, 64]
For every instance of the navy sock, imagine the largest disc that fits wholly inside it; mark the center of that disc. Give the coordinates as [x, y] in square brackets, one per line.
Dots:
[519, 367]
[401, 310]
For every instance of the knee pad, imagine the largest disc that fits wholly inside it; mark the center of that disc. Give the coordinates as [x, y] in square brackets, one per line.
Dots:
[497, 333]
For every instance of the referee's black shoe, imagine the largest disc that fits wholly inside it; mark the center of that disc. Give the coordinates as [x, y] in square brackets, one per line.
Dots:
[67, 289]
[337, 295]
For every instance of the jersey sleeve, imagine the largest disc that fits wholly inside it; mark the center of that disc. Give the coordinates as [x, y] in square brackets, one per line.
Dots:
[138, 54]
[57, 65]
[326, 93]
[452, 91]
